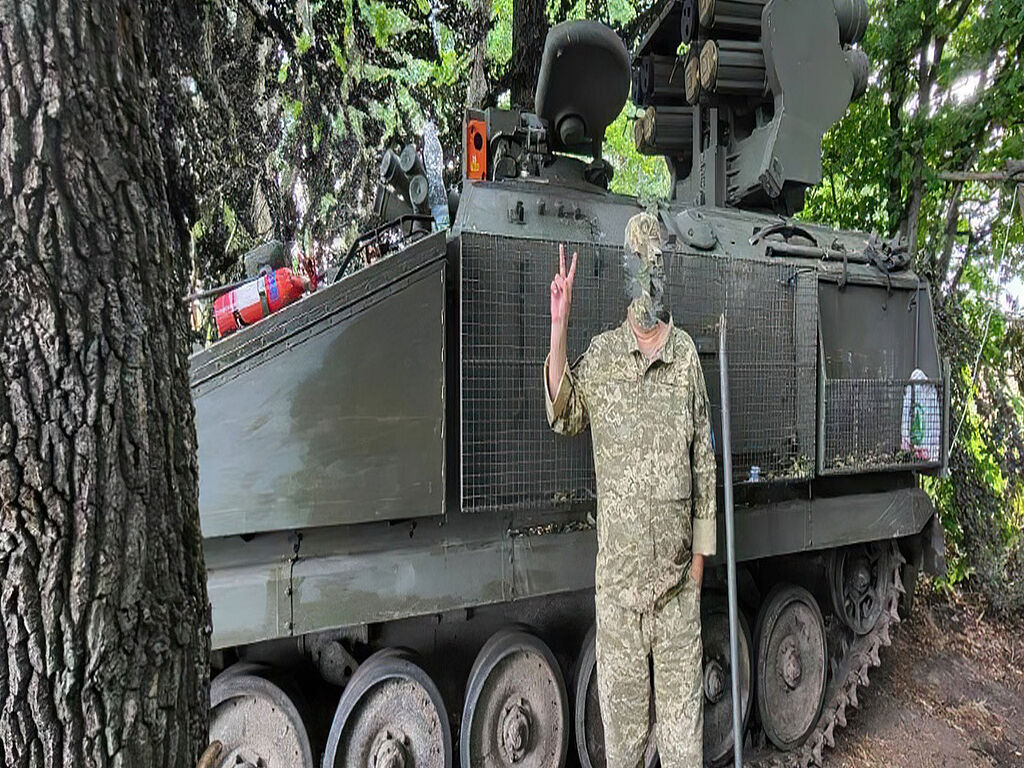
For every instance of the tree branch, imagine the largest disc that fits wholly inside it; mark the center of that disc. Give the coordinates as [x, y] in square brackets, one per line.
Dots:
[1013, 170]
[925, 79]
[950, 232]
[972, 239]
[958, 17]
[631, 31]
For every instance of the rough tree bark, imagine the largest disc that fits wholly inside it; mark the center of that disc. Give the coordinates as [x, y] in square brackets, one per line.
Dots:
[105, 620]
[529, 29]
[476, 90]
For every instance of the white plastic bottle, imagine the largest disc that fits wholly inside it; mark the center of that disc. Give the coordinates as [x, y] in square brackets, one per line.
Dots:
[433, 160]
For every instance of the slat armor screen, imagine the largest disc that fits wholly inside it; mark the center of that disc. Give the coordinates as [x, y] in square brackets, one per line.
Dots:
[510, 457]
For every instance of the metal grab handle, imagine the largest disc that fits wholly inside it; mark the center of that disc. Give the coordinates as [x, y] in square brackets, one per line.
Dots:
[786, 229]
[373, 234]
[814, 252]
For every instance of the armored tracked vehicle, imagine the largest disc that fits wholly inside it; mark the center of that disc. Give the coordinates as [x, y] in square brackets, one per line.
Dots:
[400, 551]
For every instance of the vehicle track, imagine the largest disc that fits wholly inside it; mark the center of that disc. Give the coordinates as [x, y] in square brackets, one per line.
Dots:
[852, 660]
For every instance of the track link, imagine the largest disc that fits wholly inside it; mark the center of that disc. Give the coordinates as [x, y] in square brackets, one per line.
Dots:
[849, 666]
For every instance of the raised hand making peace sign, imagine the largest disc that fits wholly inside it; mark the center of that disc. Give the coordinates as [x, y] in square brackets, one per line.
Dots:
[561, 294]
[561, 301]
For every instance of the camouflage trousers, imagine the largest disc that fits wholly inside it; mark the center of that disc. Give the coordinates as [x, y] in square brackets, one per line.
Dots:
[671, 636]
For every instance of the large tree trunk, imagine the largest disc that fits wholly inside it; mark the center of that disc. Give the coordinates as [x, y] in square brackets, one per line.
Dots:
[105, 619]
[529, 29]
[476, 90]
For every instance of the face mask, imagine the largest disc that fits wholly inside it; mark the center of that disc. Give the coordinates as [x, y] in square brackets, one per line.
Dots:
[645, 287]
[644, 271]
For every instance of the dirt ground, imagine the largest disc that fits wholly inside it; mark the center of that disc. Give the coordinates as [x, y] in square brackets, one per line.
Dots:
[950, 692]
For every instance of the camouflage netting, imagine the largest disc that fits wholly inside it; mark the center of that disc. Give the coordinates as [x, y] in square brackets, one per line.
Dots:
[281, 113]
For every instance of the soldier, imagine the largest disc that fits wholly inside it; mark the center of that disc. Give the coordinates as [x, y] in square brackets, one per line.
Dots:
[641, 388]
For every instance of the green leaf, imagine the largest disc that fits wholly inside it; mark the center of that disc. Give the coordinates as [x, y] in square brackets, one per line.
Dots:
[338, 54]
[229, 216]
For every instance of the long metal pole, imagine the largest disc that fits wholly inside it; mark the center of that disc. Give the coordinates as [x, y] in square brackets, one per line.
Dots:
[730, 553]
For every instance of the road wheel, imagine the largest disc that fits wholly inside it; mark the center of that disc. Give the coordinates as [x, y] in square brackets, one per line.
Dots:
[717, 683]
[390, 716]
[516, 710]
[791, 665]
[257, 718]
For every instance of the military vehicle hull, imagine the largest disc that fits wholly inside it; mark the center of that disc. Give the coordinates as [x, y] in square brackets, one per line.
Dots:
[401, 553]
[376, 470]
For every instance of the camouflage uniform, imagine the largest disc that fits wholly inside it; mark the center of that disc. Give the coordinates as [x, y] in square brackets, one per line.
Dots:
[655, 470]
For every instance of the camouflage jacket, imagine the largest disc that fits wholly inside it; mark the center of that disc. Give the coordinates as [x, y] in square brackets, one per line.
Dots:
[655, 466]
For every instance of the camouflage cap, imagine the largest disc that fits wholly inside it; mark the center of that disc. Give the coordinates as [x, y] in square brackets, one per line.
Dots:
[643, 237]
